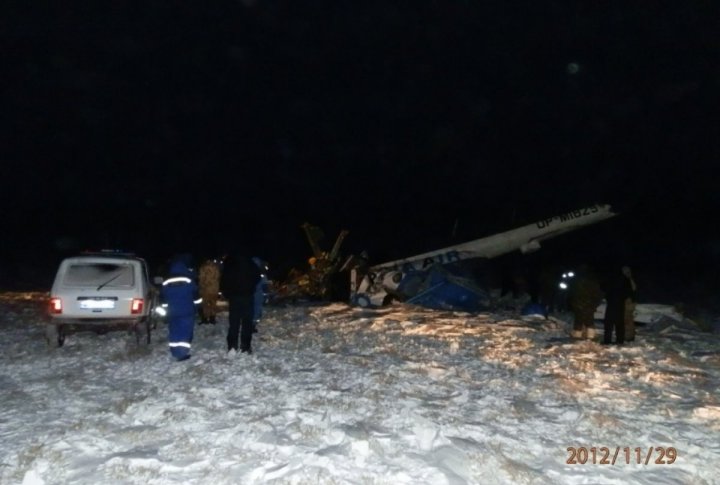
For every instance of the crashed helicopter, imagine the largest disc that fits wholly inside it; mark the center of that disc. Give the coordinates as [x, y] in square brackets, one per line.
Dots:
[425, 280]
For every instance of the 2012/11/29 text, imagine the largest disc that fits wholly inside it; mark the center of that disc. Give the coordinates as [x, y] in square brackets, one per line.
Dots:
[603, 455]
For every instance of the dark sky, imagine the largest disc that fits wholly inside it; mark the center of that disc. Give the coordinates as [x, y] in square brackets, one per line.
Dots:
[169, 126]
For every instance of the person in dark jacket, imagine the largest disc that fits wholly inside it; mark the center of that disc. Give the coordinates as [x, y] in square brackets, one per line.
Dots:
[630, 306]
[619, 290]
[260, 291]
[180, 293]
[547, 284]
[238, 283]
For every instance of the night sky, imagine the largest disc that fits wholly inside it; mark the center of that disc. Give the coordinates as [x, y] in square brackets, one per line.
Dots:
[179, 126]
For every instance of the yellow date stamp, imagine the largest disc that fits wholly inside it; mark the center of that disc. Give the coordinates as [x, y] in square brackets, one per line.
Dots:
[619, 455]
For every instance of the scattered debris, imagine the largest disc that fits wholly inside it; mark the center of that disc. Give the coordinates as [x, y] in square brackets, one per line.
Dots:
[318, 281]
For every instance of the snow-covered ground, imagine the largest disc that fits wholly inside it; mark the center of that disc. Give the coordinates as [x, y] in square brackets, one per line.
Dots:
[335, 394]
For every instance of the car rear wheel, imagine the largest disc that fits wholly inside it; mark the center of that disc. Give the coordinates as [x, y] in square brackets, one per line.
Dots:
[149, 325]
[143, 326]
[54, 335]
[152, 315]
[152, 318]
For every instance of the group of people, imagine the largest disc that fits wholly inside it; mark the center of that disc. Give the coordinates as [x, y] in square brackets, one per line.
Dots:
[241, 279]
[587, 291]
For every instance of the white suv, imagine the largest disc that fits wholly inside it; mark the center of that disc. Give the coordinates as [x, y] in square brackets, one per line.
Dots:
[102, 291]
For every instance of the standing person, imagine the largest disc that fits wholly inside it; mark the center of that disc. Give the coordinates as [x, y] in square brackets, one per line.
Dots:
[584, 296]
[619, 290]
[180, 293]
[630, 306]
[209, 278]
[547, 282]
[260, 290]
[238, 283]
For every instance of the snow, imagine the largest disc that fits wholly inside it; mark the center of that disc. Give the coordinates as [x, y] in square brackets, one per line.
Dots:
[335, 394]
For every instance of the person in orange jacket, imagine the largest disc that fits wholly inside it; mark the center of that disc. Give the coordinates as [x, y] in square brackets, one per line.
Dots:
[209, 281]
[584, 296]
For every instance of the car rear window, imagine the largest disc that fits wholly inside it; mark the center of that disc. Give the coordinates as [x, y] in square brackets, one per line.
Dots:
[107, 275]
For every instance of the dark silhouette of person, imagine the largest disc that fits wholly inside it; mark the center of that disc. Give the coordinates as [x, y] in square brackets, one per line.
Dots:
[618, 290]
[630, 306]
[548, 279]
[238, 283]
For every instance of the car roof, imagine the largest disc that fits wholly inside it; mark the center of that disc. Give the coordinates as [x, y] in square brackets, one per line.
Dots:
[105, 256]
[107, 252]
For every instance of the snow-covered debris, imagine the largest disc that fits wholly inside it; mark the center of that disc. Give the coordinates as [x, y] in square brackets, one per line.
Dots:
[336, 394]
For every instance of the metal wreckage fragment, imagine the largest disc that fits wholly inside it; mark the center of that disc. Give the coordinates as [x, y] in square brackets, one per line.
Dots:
[319, 281]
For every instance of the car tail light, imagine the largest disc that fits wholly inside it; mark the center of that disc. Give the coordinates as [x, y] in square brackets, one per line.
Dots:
[136, 306]
[55, 305]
